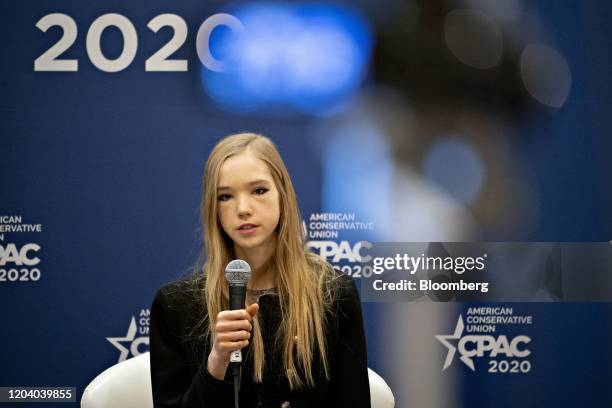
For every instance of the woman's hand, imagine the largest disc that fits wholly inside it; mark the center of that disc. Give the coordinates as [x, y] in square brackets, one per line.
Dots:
[232, 332]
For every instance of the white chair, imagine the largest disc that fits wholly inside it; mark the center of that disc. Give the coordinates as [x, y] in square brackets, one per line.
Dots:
[381, 395]
[128, 385]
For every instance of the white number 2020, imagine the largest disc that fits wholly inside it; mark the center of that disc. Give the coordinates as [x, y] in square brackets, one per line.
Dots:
[49, 60]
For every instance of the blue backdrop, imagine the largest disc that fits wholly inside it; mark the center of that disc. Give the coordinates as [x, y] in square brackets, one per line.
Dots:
[109, 165]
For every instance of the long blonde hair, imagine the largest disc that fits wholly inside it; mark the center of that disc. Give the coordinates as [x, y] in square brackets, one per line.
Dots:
[301, 277]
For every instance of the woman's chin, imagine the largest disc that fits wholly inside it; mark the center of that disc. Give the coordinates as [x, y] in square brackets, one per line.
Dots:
[247, 243]
[252, 243]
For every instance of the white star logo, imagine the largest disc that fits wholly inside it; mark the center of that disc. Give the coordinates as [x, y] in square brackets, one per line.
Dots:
[444, 339]
[116, 341]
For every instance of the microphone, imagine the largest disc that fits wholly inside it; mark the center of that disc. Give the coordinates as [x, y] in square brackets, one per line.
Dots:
[237, 274]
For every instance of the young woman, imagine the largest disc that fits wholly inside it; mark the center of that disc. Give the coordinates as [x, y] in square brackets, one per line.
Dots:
[302, 333]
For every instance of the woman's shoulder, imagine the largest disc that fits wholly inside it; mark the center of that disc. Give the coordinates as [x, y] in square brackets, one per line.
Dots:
[342, 299]
[337, 286]
[178, 314]
[182, 294]
[343, 286]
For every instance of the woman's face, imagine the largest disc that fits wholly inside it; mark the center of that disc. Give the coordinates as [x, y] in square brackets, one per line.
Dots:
[248, 202]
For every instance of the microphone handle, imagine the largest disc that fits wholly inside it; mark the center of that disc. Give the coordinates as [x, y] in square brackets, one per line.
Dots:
[237, 296]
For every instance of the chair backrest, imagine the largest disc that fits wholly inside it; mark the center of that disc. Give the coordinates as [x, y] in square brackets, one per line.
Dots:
[381, 395]
[128, 385]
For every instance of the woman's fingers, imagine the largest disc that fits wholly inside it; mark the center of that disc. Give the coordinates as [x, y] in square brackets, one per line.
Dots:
[239, 314]
[234, 335]
[233, 325]
[253, 309]
[233, 329]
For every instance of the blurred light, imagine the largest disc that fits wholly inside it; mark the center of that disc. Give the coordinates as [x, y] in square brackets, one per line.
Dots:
[368, 170]
[521, 218]
[546, 75]
[473, 38]
[357, 172]
[505, 11]
[422, 212]
[306, 57]
[456, 168]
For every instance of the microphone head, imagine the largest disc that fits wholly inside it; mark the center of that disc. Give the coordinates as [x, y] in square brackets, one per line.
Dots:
[238, 273]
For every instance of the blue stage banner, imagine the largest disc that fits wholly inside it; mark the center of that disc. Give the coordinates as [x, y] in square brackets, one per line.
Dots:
[412, 131]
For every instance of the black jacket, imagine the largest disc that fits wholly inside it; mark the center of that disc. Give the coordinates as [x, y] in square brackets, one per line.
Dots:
[178, 357]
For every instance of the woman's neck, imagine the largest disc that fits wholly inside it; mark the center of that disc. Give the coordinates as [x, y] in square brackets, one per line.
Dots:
[262, 276]
[262, 279]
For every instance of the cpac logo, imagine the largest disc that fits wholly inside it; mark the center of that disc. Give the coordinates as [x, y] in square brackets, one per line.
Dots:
[130, 343]
[478, 345]
[341, 251]
[20, 257]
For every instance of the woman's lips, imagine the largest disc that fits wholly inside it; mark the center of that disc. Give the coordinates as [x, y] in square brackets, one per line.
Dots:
[248, 231]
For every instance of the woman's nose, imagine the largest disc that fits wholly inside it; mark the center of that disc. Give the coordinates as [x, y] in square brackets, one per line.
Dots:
[244, 206]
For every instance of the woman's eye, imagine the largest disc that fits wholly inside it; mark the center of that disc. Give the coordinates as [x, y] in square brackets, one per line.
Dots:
[224, 197]
[261, 190]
